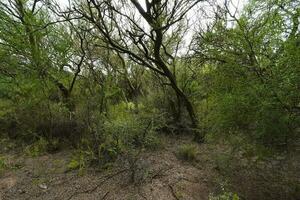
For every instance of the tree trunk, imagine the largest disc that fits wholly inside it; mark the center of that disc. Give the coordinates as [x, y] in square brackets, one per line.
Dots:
[161, 64]
[188, 105]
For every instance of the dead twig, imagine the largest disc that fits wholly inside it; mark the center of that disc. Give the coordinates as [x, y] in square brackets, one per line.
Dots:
[105, 195]
[161, 172]
[110, 176]
[173, 192]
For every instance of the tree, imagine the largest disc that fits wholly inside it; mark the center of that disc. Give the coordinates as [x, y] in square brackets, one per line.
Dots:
[253, 64]
[140, 33]
[40, 45]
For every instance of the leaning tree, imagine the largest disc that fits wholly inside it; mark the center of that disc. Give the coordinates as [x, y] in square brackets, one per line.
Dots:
[139, 30]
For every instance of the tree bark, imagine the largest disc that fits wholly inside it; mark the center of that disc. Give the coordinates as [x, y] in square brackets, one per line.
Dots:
[161, 64]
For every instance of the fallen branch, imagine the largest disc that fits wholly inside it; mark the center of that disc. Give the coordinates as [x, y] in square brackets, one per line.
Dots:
[105, 196]
[98, 185]
[173, 192]
[160, 173]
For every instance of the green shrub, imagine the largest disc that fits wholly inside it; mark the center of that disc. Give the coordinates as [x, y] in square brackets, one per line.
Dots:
[187, 152]
[224, 196]
[273, 124]
[81, 159]
[130, 128]
[109, 150]
[119, 133]
[37, 148]
[73, 165]
[224, 162]
[3, 164]
[152, 142]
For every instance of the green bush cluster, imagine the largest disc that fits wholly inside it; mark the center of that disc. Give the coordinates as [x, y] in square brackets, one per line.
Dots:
[224, 196]
[3, 164]
[124, 132]
[187, 152]
[251, 88]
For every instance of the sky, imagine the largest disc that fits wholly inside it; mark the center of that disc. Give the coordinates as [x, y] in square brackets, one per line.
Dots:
[196, 16]
[236, 3]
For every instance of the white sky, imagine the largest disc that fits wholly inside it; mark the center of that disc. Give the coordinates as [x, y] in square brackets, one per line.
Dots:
[236, 3]
[196, 15]
[199, 16]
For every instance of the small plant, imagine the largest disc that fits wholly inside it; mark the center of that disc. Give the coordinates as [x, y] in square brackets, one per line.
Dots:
[224, 162]
[224, 196]
[153, 142]
[80, 161]
[187, 152]
[53, 146]
[3, 164]
[73, 165]
[38, 148]
[6, 144]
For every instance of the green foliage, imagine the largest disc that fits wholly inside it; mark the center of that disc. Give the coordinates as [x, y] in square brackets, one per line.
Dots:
[73, 164]
[80, 161]
[187, 152]
[3, 164]
[110, 149]
[37, 148]
[224, 163]
[60, 85]
[127, 131]
[7, 144]
[225, 196]
[6, 164]
[253, 75]
[123, 133]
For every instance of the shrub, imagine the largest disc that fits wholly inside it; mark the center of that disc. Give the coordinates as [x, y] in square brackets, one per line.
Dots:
[109, 150]
[187, 152]
[3, 164]
[224, 196]
[73, 165]
[223, 193]
[37, 148]
[62, 131]
[80, 160]
[123, 132]
[224, 162]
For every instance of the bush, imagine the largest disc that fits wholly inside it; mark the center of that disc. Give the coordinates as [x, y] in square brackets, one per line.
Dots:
[80, 160]
[3, 164]
[187, 152]
[263, 120]
[37, 148]
[224, 196]
[73, 164]
[224, 163]
[42, 146]
[122, 132]
[128, 133]
[273, 125]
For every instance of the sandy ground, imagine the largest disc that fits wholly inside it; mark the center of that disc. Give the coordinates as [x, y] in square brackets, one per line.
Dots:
[159, 175]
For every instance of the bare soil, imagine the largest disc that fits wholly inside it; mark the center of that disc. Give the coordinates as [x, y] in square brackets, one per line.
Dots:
[159, 175]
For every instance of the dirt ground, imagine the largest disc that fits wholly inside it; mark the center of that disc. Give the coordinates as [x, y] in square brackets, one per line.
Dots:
[159, 175]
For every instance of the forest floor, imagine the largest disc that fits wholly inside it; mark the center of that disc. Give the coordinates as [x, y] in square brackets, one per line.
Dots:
[159, 175]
